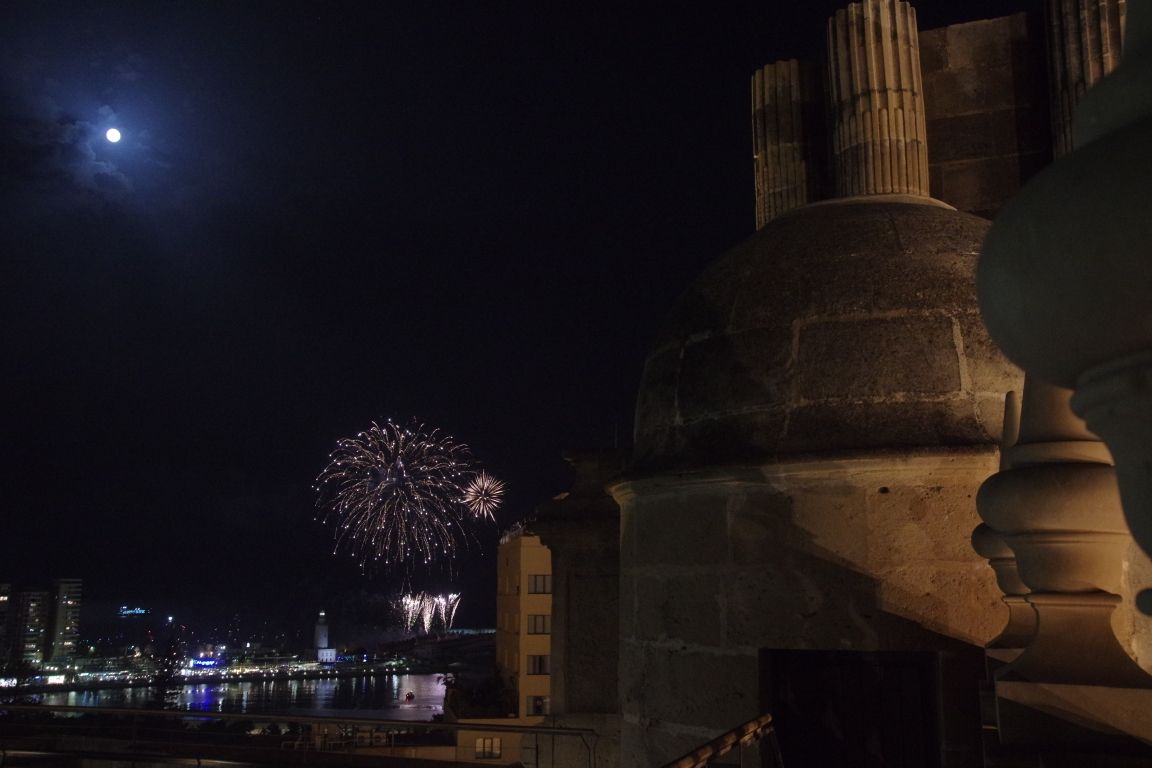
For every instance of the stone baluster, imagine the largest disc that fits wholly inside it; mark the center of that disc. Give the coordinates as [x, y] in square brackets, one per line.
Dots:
[786, 138]
[876, 97]
[990, 544]
[1021, 626]
[1064, 278]
[1056, 505]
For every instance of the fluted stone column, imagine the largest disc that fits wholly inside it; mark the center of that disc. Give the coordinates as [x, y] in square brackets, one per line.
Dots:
[787, 138]
[1085, 39]
[876, 96]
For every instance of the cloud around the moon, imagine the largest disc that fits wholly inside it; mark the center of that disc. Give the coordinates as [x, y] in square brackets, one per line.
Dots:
[51, 154]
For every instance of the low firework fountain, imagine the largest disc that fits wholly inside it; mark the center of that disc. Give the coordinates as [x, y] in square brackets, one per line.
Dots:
[426, 609]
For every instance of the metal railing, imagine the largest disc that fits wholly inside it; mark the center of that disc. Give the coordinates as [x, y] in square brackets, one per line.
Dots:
[175, 735]
[743, 735]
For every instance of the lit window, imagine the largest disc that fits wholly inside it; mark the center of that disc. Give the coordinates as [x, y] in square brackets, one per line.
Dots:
[540, 584]
[487, 748]
[539, 665]
[539, 624]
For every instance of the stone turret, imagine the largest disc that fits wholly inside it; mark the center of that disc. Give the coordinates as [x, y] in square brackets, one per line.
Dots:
[814, 421]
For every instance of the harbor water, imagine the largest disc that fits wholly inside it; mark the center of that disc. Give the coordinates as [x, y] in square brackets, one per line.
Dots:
[389, 697]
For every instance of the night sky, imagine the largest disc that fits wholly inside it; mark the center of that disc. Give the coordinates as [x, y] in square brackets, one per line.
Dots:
[474, 214]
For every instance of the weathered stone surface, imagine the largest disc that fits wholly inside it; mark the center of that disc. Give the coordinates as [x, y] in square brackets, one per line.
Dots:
[852, 553]
[758, 521]
[877, 357]
[984, 86]
[1130, 624]
[686, 530]
[683, 690]
[674, 607]
[984, 134]
[897, 422]
[987, 183]
[984, 364]
[733, 368]
[837, 326]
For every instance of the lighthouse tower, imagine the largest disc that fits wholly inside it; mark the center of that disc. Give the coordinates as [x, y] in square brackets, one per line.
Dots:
[323, 652]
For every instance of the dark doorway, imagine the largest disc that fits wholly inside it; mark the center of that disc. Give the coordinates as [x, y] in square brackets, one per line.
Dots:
[854, 709]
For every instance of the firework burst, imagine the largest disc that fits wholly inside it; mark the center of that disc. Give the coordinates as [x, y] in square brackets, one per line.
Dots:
[425, 609]
[409, 608]
[446, 606]
[396, 495]
[483, 495]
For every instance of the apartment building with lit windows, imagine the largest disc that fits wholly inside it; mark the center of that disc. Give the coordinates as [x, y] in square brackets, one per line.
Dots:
[40, 625]
[523, 650]
[65, 623]
[524, 620]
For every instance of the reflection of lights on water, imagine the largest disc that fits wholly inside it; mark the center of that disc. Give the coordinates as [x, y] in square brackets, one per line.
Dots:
[257, 697]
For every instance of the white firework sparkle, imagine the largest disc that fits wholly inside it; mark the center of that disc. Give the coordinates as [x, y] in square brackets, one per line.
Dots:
[427, 610]
[398, 495]
[483, 495]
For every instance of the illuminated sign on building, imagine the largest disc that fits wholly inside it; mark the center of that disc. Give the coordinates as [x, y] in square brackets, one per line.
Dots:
[126, 611]
[205, 662]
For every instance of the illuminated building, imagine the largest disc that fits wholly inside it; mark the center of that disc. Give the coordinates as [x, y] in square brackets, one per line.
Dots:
[40, 625]
[324, 653]
[321, 632]
[523, 649]
[6, 627]
[31, 625]
[524, 620]
[65, 626]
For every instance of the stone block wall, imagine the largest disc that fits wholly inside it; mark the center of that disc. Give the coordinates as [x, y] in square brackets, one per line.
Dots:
[865, 553]
[986, 98]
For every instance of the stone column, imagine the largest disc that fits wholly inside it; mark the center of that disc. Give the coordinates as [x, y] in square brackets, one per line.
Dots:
[1085, 38]
[786, 138]
[876, 98]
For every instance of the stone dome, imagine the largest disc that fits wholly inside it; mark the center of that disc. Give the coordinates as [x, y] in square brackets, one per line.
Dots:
[840, 326]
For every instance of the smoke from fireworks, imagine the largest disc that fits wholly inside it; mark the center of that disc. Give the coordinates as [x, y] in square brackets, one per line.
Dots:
[397, 495]
[424, 608]
[483, 494]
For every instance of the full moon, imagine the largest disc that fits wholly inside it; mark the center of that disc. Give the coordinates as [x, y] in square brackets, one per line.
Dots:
[112, 135]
